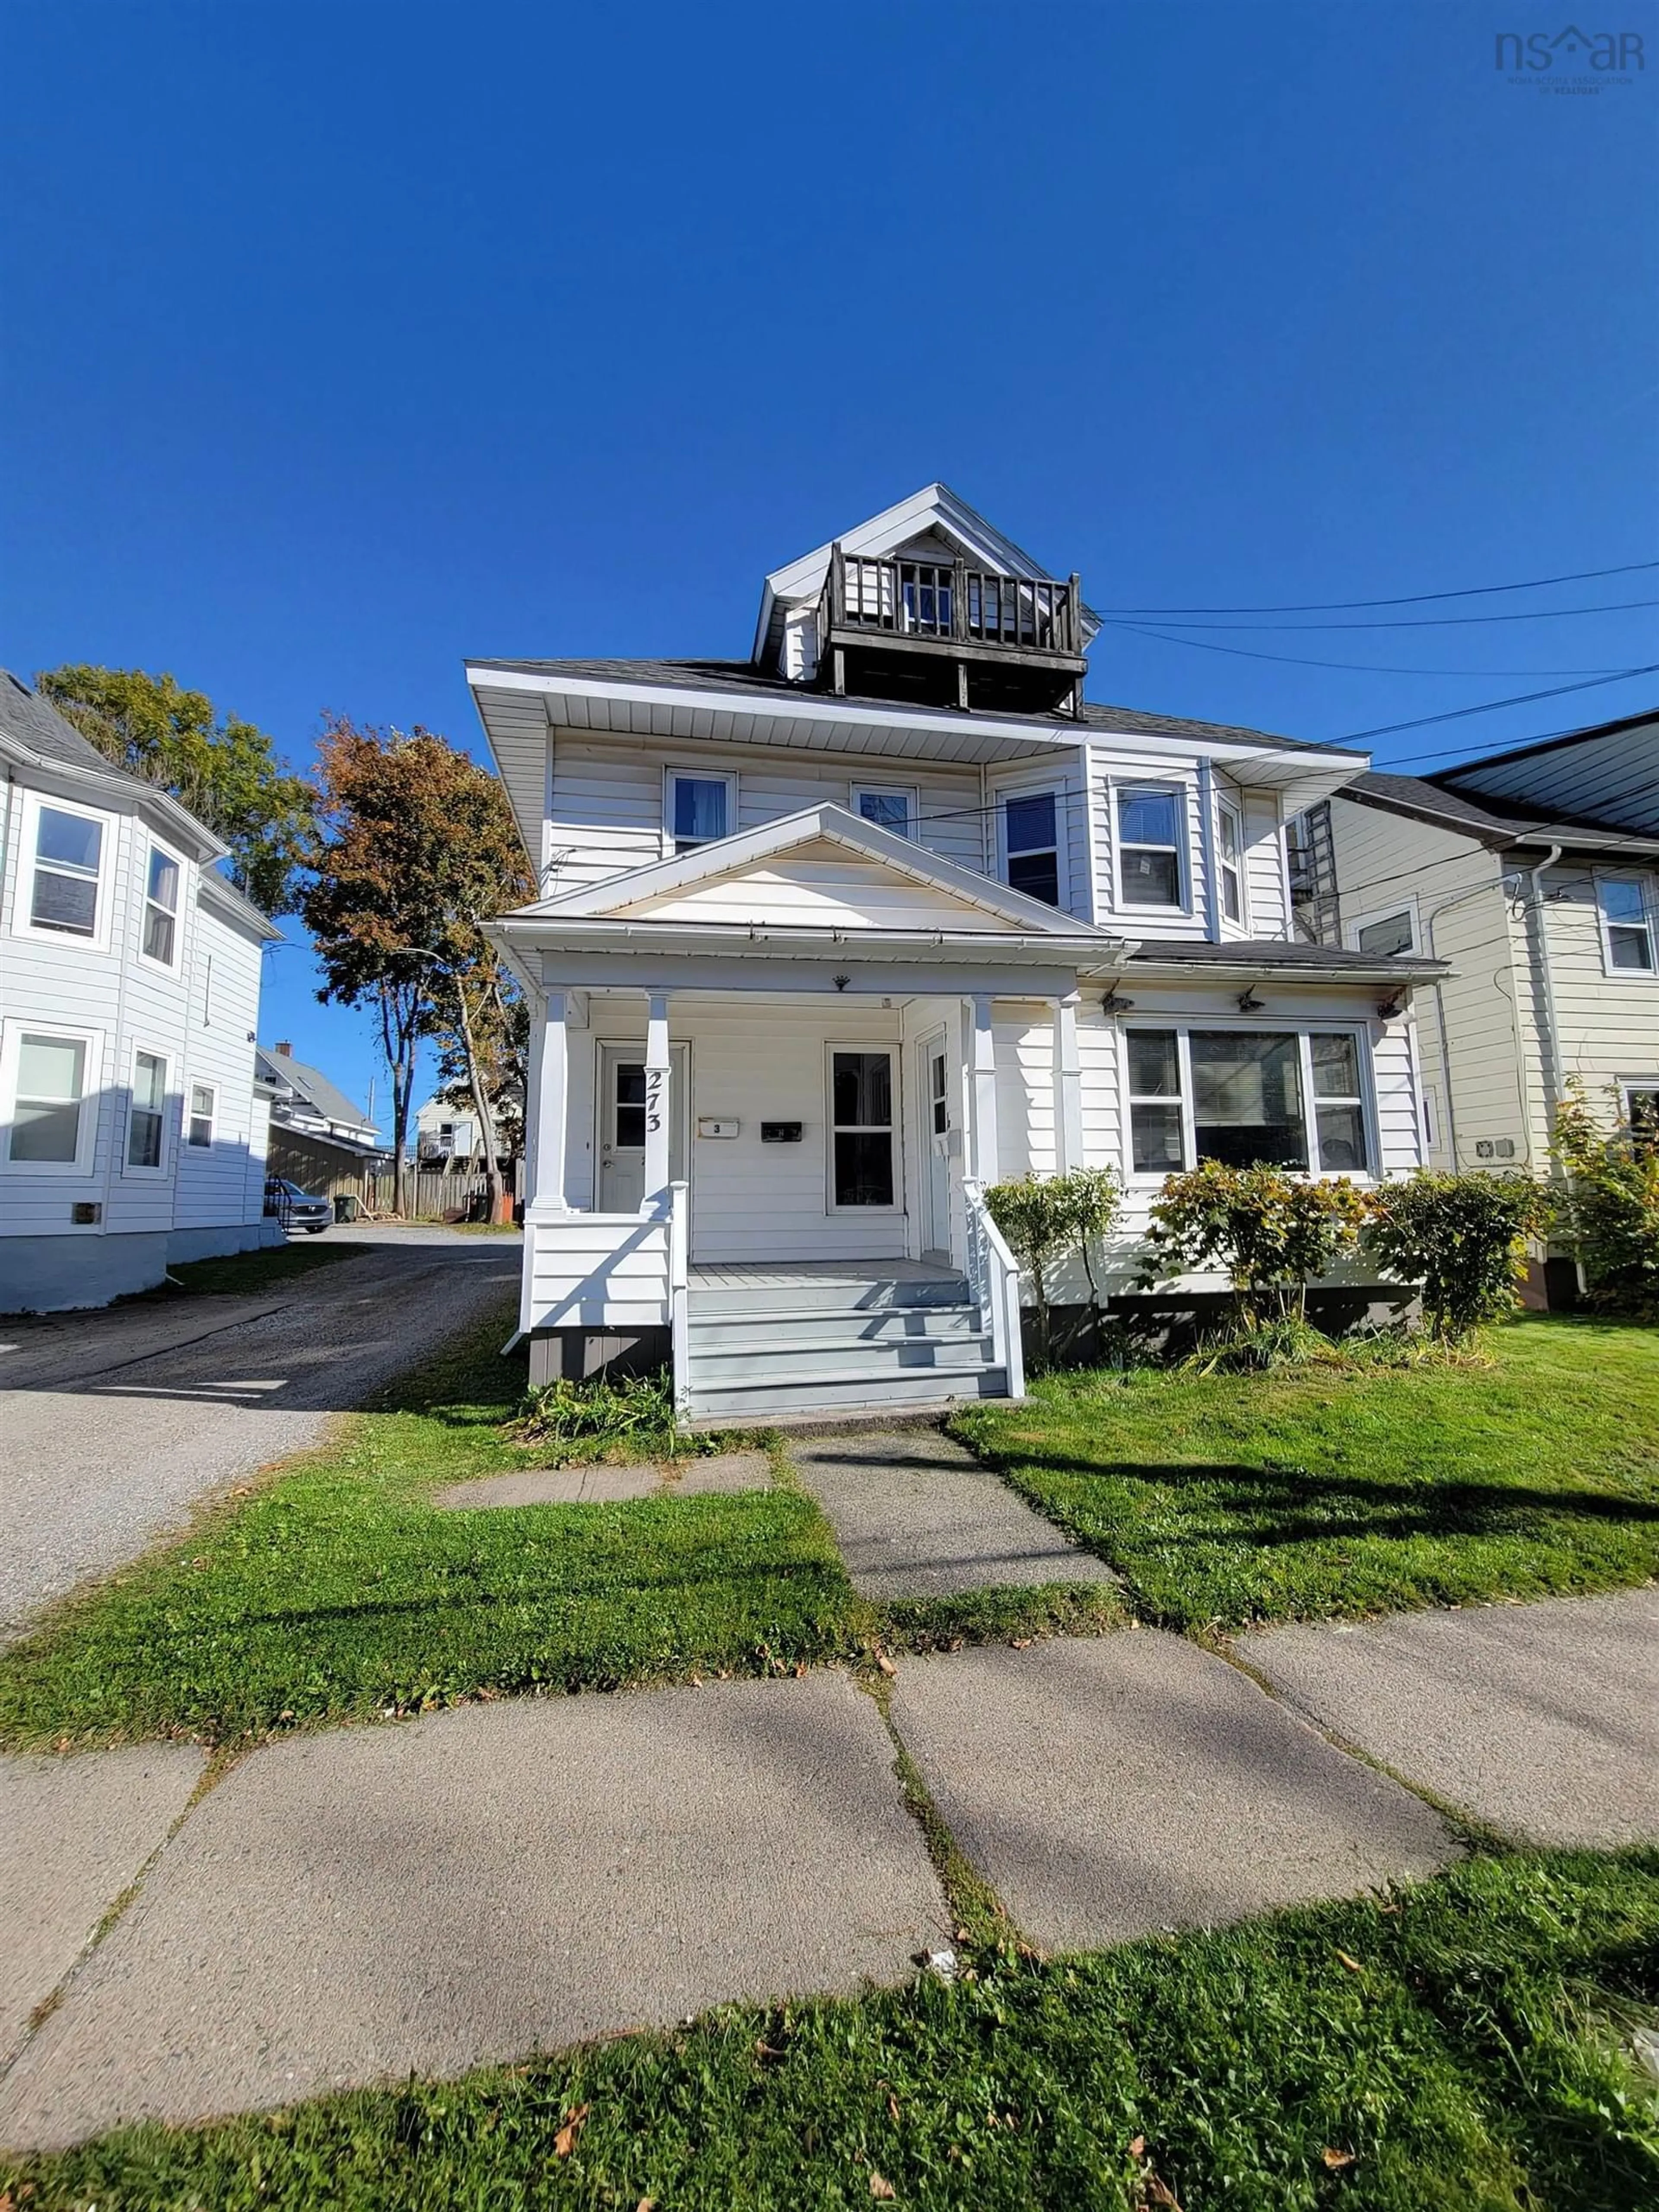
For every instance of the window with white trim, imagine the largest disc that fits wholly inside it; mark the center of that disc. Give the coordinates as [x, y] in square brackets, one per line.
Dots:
[1229, 859]
[48, 1125]
[204, 1110]
[147, 1116]
[1627, 930]
[701, 807]
[889, 805]
[1151, 820]
[1030, 845]
[863, 1170]
[68, 861]
[1285, 1098]
[161, 936]
[1641, 1116]
[1394, 933]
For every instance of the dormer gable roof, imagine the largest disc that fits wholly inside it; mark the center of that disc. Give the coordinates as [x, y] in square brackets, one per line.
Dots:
[935, 515]
[823, 868]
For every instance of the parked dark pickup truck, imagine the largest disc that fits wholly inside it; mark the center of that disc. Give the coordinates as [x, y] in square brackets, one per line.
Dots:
[295, 1208]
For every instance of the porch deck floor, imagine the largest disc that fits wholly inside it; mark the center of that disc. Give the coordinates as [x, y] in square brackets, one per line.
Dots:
[802, 1274]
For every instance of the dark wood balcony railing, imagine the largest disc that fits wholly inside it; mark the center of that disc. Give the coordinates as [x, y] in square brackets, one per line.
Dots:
[949, 603]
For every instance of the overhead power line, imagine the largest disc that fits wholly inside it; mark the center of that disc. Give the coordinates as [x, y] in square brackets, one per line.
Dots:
[1364, 667]
[1414, 622]
[1406, 600]
[1490, 706]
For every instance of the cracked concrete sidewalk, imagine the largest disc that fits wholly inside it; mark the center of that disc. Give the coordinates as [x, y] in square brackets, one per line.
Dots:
[342, 1908]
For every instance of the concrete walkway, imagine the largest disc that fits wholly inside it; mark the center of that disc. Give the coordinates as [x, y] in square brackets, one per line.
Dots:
[113, 1424]
[915, 1515]
[1540, 1720]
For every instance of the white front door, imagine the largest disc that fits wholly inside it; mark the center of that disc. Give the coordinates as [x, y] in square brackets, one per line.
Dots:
[622, 1124]
[934, 1088]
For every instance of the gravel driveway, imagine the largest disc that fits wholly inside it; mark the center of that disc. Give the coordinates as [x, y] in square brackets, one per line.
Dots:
[113, 1425]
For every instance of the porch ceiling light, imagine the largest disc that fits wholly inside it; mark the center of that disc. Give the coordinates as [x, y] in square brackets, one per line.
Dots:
[1248, 1003]
[1114, 1002]
[841, 981]
[1388, 1008]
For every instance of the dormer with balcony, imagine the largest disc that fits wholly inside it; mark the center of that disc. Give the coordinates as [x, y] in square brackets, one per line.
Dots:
[926, 605]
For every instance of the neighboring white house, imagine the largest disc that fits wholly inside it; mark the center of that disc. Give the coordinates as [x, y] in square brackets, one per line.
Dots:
[130, 1134]
[448, 1135]
[1535, 873]
[832, 937]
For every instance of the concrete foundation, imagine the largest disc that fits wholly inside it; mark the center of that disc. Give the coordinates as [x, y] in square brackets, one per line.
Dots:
[59, 1274]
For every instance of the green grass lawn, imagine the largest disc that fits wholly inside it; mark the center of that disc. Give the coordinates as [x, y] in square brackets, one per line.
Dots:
[335, 1588]
[1226, 1499]
[1471, 2050]
[246, 1274]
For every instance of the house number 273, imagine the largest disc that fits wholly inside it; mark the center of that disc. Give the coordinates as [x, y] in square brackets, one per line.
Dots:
[653, 1083]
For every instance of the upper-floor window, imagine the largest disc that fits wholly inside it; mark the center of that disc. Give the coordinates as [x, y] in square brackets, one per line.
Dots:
[68, 859]
[701, 807]
[889, 805]
[1150, 822]
[147, 1120]
[161, 907]
[1394, 933]
[1032, 845]
[1627, 923]
[1283, 1098]
[1229, 859]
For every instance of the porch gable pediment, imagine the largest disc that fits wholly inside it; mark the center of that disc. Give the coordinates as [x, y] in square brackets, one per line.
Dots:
[823, 868]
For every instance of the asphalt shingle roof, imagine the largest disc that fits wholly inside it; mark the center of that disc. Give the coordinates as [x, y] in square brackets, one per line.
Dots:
[314, 1087]
[742, 676]
[1495, 821]
[1270, 952]
[34, 722]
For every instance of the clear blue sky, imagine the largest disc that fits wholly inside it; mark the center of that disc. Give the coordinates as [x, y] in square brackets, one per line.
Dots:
[343, 341]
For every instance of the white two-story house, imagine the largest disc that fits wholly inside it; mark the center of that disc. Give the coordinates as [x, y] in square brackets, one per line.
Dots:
[833, 938]
[131, 1134]
[1535, 872]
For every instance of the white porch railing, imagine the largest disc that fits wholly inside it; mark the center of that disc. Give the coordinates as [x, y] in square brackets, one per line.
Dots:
[679, 1293]
[993, 1279]
[598, 1271]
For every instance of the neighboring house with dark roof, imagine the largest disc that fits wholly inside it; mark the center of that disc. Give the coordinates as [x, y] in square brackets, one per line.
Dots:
[830, 939]
[1535, 873]
[320, 1138]
[131, 1136]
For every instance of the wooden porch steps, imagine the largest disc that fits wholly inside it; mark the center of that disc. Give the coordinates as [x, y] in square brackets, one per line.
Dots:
[836, 1341]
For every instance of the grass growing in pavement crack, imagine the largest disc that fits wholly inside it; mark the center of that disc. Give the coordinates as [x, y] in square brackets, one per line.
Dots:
[1464, 2042]
[999, 1616]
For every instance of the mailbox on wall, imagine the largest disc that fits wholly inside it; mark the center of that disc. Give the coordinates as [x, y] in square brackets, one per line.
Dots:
[781, 1132]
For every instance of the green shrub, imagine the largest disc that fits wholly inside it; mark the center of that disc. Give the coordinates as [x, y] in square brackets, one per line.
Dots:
[1611, 1211]
[583, 1419]
[1047, 1218]
[1270, 1233]
[1462, 1238]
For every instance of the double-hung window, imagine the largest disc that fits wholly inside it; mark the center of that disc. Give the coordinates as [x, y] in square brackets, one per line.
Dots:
[701, 808]
[1032, 845]
[1229, 859]
[889, 805]
[1627, 925]
[147, 1118]
[69, 851]
[49, 1122]
[1642, 1116]
[1282, 1099]
[161, 907]
[1151, 820]
[202, 1104]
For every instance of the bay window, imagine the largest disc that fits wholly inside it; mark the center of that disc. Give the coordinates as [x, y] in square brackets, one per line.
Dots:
[69, 851]
[1283, 1098]
[1151, 820]
[161, 907]
[146, 1120]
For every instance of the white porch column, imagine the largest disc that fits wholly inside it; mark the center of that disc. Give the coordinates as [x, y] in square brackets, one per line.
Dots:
[1068, 1087]
[549, 1107]
[659, 1105]
[982, 1061]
